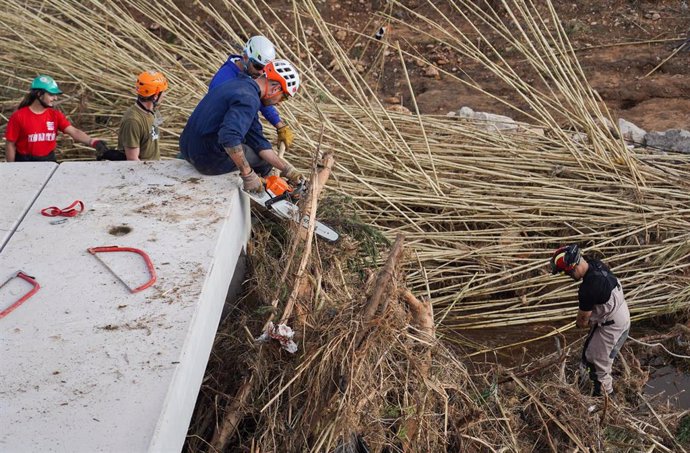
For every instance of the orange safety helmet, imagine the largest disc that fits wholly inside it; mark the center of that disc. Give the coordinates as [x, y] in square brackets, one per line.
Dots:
[284, 72]
[151, 83]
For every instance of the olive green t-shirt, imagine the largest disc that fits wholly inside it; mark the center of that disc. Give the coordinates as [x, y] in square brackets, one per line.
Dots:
[138, 130]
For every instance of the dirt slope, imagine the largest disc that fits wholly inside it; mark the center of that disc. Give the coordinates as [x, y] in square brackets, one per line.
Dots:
[599, 31]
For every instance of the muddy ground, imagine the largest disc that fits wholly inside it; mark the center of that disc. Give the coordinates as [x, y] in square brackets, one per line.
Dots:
[617, 43]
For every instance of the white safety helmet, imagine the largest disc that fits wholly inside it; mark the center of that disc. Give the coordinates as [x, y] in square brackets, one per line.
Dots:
[284, 72]
[260, 50]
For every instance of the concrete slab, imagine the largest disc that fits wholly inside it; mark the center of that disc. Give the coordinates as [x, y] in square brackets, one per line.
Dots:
[21, 183]
[88, 366]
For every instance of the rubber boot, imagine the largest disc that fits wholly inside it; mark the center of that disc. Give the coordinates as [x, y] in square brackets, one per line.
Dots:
[596, 390]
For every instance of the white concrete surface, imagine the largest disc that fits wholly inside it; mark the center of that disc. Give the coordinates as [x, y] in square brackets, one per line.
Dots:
[20, 183]
[86, 366]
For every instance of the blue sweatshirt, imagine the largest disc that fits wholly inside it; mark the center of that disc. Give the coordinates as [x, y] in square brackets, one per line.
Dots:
[225, 117]
[229, 71]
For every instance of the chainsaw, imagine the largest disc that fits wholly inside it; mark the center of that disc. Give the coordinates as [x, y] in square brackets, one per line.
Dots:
[281, 199]
[279, 189]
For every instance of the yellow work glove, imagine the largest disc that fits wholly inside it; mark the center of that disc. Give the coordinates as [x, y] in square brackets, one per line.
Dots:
[285, 135]
[291, 174]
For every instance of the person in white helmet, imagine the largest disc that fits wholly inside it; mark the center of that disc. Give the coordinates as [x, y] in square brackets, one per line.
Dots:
[257, 53]
[223, 133]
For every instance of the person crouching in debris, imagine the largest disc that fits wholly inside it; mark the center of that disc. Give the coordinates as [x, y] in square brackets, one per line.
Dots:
[602, 308]
[224, 134]
[258, 52]
[32, 130]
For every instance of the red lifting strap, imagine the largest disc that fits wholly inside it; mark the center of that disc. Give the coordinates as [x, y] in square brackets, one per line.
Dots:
[70, 211]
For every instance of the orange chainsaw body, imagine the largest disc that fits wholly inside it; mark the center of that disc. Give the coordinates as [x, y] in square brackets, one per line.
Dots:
[277, 185]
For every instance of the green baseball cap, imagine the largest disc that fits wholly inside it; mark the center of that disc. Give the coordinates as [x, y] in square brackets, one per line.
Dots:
[45, 83]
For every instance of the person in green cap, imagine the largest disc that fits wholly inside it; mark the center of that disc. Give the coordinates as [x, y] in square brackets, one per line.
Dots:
[32, 130]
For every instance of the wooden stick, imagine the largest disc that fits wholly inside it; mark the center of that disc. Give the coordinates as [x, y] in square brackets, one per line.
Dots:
[318, 184]
[233, 414]
[423, 320]
[320, 181]
[380, 287]
[677, 49]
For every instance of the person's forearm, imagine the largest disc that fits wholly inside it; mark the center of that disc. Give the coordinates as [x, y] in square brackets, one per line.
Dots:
[280, 124]
[80, 136]
[10, 152]
[236, 153]
[272, 158]
[132, 153]
[582, 320]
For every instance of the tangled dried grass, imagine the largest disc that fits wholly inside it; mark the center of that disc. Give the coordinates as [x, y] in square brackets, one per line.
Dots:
[380, 380]
[482, 210]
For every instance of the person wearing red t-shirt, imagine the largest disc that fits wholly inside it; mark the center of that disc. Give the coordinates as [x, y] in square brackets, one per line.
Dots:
[32, 129]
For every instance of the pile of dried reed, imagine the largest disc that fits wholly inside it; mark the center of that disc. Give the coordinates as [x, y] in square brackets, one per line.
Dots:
[482, 210]
[370, 375]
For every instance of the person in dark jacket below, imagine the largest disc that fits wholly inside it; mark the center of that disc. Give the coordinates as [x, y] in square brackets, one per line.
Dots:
[602, 308]
[224, 134]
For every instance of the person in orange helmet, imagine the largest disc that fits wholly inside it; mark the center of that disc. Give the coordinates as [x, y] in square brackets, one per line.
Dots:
[223, 133]
[138, 136]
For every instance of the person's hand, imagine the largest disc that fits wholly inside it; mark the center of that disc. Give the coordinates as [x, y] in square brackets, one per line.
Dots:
[285, 135]
[291, 174]
[252, 183]
[100, 146]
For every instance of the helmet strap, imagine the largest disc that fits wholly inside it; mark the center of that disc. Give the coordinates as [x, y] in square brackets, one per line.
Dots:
[156, 99]
[140, 103]
[263, 89]
[40, 99]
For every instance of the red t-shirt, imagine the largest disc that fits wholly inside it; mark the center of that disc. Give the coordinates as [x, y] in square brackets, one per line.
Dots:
[34, 134]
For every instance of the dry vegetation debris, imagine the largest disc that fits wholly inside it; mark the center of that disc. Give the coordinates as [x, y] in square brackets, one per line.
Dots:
[480, 213]
[372, 375]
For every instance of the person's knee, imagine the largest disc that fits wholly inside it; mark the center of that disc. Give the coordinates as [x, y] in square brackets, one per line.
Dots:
[263, 170]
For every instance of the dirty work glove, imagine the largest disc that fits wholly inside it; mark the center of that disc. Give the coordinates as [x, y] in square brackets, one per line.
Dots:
[285, 135]
[101, 148]
[252, 183]
[291, 174]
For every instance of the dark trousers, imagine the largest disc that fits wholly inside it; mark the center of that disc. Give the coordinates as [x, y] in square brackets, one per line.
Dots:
[217, 162]
[28, 158]
[113, 154]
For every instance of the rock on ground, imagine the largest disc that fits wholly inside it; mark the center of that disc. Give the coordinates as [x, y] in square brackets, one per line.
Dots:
[631, 132]
[672, 140]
